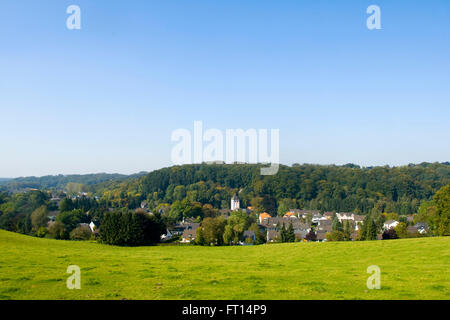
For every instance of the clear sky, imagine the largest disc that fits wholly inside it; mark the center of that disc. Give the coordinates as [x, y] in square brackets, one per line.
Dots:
[106, 98]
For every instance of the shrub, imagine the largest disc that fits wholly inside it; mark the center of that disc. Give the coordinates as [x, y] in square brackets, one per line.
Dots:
[41, 232]
[390, 234]
[336, 236]
[57, 231]
[401, 230]
[311, 236]
[81, 233]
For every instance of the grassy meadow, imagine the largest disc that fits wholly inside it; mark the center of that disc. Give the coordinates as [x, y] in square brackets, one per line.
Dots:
[33, 268]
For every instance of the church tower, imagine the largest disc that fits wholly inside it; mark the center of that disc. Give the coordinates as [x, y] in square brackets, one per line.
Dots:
[235, 205]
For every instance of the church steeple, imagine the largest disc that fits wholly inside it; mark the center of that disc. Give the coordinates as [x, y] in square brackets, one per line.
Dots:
[235, 204]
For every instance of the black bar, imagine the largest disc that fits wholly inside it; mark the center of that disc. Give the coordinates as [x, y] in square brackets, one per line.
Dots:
[203, 309]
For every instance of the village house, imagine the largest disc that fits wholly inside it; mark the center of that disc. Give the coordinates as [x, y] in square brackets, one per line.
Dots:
[272, 222]
[264, 216]
[290, 215]
[318, 217]
[167, 236]
[345, 216]
[325, 225]
[190, 225]
[301, 228]
[356, 220]
[273, 226]
[183, 230]
[189, 235]
[297, 212]
[273, 235]
[94, 226]
[302, 213]
[248, 238]
[422, 227]
[278, 222]
[418, 229]
[177, 229]
[390, 224]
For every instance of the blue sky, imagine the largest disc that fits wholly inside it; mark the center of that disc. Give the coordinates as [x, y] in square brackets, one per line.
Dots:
[106, 98]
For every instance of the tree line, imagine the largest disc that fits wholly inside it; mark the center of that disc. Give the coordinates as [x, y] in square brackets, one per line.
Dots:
[348, 188]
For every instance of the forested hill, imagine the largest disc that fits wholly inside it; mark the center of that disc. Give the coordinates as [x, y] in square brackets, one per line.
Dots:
[327, 188]
[61, 181]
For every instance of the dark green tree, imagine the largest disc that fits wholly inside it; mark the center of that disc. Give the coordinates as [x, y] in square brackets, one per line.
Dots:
[336, 225]
[283, 234]
[290, 235]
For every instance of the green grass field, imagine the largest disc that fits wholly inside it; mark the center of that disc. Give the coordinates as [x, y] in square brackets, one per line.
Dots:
[32, 268]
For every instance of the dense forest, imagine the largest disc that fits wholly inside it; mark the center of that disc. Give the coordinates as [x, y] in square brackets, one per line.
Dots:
[326, 188]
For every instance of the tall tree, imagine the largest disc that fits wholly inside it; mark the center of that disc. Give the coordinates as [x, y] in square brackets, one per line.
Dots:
[39, 218]
[283, 234]
[336, 225]
[370, 229]
[290, 233]
[436, 213]
[213, 229]
[347, 229]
